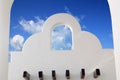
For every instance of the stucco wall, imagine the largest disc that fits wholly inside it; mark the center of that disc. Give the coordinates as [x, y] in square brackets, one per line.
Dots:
[4, 31]
[87, 53]
[5, 6]
[115, 12]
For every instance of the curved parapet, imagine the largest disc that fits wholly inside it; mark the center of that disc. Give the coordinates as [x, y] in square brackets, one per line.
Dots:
[82, 36]
[87, 53]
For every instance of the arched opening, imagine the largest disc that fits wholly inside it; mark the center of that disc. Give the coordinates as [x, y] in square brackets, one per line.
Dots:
[26, 21]
[61, 38]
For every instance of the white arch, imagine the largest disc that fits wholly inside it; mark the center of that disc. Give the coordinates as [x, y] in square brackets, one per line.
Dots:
[5, 6]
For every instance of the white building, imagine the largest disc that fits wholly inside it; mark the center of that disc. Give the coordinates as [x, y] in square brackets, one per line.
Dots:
[98, 58]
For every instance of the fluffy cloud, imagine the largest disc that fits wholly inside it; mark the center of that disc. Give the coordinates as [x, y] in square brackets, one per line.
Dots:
[61, 35]
[32, 26]
[61, 38]
[17, 42]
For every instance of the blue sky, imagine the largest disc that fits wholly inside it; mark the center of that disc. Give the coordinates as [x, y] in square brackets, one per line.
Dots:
[27, 17]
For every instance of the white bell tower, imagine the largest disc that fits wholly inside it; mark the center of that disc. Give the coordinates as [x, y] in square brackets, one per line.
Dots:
[5, 7]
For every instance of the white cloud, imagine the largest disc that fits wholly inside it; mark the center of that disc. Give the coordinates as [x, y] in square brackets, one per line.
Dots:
[17, 42]
[61, 38]
[32, 26]
[67, 10]
[81, 18]
[83, 27]
[15, 27]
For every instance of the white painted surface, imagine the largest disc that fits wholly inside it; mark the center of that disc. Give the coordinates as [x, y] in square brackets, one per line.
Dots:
[115, 12]
[5, 6]
[87, 53]
[4, 27]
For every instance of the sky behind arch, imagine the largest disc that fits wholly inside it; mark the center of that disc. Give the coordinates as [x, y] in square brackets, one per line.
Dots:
[28, 16]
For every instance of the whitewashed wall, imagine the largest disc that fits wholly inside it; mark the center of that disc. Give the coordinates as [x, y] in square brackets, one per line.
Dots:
[5, 6]
[87, 53]
[115, 12]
